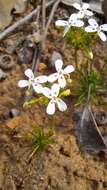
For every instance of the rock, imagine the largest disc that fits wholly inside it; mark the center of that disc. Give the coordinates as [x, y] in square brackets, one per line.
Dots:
[56, 55]
[3, 75]
[14, 112]
[25, 55]
[12, 44]
[87, 132]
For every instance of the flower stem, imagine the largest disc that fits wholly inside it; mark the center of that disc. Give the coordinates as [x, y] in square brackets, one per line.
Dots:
[76, 58]
[32, 154]
[52, 129]
[91, 66]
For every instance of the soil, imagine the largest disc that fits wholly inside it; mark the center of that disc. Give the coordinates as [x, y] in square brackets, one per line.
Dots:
[63, 166]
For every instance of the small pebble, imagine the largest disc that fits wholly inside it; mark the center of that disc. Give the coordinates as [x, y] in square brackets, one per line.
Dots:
[14, 112]
[56, 55]
[25, 55]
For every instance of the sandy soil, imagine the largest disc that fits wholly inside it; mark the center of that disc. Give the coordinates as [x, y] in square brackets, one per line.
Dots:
[60, 167]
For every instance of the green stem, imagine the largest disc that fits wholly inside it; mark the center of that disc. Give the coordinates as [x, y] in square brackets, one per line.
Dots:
[76, 58]
[91, 66]
[52, 129]
[32, 154]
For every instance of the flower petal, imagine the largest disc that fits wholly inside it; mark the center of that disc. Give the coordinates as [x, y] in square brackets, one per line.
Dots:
[69, 69]
[29, 74]
[93, 22]
[37, 87]
[103, 27]
[62, 23]
[85, 6]
[72, 17]
[47, 92]
[23, 83]
[88, 13]
[90, 29]
[55, 90]
[102, 36]
[78, 23]
[77, 6]
[61, 105]
[62, 81]
[53, 77]
[50, 108]
[41, 79]
[58, 64]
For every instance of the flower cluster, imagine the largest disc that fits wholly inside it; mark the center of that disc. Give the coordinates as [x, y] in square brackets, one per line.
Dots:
[75, 20]
[51, 93]
[72, 21]
[33, 81]
[94, 27]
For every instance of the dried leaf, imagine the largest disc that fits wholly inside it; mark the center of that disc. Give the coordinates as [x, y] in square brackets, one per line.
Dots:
[6, 7]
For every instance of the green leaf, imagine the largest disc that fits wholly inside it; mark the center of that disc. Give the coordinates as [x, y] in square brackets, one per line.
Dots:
[34, 101]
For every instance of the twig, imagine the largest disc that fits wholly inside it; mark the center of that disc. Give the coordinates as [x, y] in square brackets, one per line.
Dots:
[43, 20]
[50, 3]
[50, 19]
[36, 57]
[43, 15]
[21, 22]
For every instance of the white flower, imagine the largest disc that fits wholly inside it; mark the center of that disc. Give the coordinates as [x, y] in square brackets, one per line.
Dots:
[83, 10]
[59, 75]
[32, 81]
[72, 21]
[94, 27]
[52, 94]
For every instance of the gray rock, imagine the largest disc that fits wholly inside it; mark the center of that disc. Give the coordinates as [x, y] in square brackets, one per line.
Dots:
[88, 134]
[3, 75]
[14, 112]
[56, 55]
[25, 55]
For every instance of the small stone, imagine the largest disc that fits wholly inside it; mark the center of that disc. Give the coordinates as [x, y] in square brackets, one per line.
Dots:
[25, 55]
[3, 75]
[14, 112]
[56, 55]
